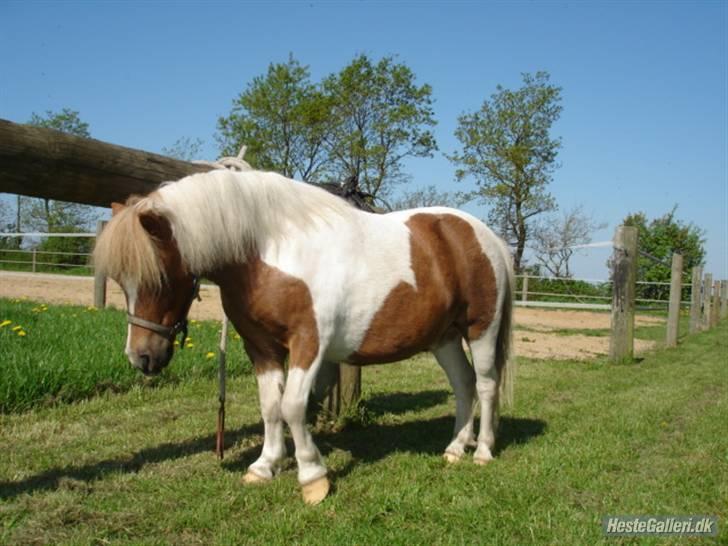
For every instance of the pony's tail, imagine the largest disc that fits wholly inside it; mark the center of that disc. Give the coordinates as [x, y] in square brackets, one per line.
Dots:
[505, 360]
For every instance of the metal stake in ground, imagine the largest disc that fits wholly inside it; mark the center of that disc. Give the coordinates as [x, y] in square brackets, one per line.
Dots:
[220, 442]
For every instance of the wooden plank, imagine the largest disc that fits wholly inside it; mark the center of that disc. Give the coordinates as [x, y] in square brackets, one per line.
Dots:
[624, 275]
[723, 299]
[524, 288]
[696, 300]
[41, 162]
[673, 314]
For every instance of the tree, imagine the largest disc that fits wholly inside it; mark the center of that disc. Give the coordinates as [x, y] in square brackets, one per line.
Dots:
[7, 225]
[555, 238]
[658, 239]
[507, 149]
[427, 197]
[185, 148]
[45, 214]
[282, 119]
[378, 117]
[66, 121]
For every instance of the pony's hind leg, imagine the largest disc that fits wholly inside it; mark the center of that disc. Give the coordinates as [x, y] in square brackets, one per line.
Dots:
[483, 351]
[270, 390]
[452, 359]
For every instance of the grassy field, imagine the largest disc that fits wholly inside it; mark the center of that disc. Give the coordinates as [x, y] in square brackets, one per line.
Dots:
[585, 439]
[61, 353]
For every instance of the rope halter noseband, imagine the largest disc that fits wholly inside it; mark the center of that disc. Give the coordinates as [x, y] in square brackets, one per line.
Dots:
[169, 332]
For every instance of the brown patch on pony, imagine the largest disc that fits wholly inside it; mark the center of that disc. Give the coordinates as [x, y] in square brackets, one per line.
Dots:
[456, 293]
[272, 311]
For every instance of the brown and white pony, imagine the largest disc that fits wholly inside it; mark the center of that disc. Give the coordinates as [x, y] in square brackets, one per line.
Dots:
[304, 275]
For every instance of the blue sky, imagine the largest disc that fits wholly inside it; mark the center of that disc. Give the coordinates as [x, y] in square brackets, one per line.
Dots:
[645, 97]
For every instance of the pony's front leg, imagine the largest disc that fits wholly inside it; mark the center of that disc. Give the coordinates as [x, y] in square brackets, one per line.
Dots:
[311, 468]
[271, 382]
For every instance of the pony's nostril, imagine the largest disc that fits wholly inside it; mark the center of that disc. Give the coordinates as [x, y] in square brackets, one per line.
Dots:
[144, 362]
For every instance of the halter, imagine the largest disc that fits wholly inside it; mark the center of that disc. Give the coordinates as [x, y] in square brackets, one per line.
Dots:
[169, 332]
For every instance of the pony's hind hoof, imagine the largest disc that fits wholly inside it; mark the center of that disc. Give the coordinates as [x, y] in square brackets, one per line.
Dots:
[314, 492]
[251, 478]
[451, 458]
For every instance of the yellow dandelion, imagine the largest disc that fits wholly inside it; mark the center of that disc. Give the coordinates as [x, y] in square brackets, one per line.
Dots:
[21, 333]
[4, 323]
[189, 345]
[176, 343]
[16, 328]
[210, 355]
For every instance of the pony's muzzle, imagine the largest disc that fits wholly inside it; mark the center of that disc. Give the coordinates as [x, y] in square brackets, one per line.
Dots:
[151, 362]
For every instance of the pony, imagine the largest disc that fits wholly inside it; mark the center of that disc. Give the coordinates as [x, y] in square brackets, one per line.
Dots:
[306, 277]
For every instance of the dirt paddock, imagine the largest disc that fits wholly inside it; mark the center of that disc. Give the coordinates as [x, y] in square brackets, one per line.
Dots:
[534, 334]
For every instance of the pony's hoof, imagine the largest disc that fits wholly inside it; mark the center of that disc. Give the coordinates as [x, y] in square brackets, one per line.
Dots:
[314, 492]
[482, 461]
[251, 478]
[451, 457]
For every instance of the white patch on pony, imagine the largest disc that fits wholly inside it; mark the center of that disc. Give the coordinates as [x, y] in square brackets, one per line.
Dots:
[293, 408]
[131, 295]
[350, 267]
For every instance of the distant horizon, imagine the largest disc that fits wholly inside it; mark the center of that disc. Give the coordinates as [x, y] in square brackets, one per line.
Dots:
[645, 98]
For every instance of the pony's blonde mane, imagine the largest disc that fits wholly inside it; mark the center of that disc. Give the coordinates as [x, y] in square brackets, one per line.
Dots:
[217, 217]
[126, 253]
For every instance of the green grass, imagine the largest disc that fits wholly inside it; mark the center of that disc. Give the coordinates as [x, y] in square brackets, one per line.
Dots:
[69, 353]
[585, 439]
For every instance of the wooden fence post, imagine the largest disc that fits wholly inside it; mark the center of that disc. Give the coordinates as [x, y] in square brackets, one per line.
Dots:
[695, 300]
[349, 385]
[35, 259]
[715, 305]
[524, 288]
[673, 315]
[624, 277]
[723, 299]
[99, 279]
[707, 294]
[337, 388]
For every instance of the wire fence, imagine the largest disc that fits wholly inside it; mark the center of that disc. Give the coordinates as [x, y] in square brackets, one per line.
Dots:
[532, 290]
[47, 253]
[582, 293]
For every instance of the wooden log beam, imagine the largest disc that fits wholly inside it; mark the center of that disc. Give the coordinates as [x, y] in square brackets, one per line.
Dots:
[41, 162]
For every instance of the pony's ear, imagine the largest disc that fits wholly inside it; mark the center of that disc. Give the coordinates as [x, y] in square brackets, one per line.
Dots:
[116, 208]
[157, 226]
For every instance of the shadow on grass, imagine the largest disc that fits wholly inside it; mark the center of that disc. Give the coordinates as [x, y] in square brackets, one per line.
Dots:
[374, 442]
[125, 464]
[403, 402]
[366, 444]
